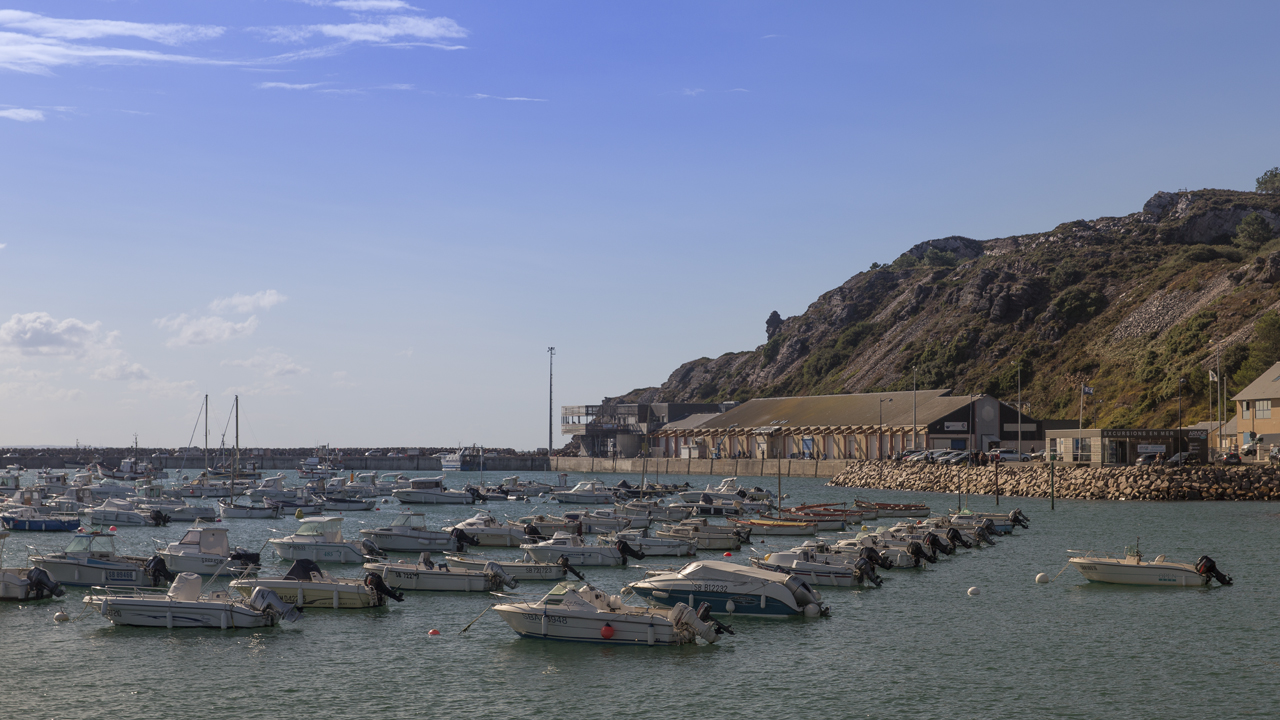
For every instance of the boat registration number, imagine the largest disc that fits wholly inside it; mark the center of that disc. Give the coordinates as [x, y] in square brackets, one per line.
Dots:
[551, 619]
[700, 587]
[1088, 567]
[120, 575]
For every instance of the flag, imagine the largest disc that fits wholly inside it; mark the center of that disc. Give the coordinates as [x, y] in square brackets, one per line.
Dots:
[1212, 377]
[1087, 390]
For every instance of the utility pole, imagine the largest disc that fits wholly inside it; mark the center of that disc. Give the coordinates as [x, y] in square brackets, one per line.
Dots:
[551, 402]
[1019, 410]
[1181, 382]
[914, 428]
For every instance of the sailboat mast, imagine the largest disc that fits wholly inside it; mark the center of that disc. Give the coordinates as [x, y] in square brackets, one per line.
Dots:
[236, 467]
[206, 433]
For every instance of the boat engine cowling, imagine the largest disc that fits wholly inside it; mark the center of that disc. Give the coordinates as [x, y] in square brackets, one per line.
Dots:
[682, 614]
[872, 555]
[866, 571]
[264, 599]
[374, 580]
[628, 551]
[1208, 568]
[461, 538]
[564, 563]
[1017, 518]
[499, 576]
[957, 538]
[40, 582]
[916, 550]
[371, 548]
[937, 546]
[158, 571]
[531, 531]
[158, 518]
[704, 614]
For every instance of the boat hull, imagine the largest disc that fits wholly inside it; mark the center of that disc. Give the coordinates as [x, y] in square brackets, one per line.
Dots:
[518, 570]
[399, 542]
[1118, 572]
[577, 556]
[206, 565]
[318, 552]
[426, 497]
[41, 524]
[92, 571]
[638, 629]
[413, 577]
[164, 613]
[694, 594]
[319, 595]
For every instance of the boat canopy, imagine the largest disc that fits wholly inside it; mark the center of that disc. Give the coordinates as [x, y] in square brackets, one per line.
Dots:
[92, 543]
[723, 571]
[408, 519]
[329, 527]
[426, 484]
[185, 587]
[209, 540]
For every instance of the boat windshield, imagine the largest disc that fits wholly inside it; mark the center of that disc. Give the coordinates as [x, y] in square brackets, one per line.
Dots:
[319, 527]
[92, 543]
[191, 538]
[409, 520]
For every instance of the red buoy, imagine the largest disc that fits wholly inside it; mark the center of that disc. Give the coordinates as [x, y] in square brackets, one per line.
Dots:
[606, 632]
[112, 528]
[433, 631]
[728, 554]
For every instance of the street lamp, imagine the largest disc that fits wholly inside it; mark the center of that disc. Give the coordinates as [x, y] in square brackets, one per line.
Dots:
[880, 439]
[1181, 382]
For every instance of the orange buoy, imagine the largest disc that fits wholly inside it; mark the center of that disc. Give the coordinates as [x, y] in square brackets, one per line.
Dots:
[728, 554]
[606, 632]
[112, 528]
[433, 631]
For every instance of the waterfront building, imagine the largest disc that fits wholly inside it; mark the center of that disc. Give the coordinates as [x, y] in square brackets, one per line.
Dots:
[622, 429]
[850, 427]
[1254, 420]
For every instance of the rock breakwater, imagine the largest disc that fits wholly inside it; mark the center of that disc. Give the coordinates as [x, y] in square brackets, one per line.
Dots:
[1250, 482]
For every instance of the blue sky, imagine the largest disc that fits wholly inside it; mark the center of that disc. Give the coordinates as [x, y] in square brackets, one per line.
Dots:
[370, 218]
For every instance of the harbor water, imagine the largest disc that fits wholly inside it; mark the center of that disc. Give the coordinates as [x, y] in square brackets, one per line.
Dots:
[919, 646]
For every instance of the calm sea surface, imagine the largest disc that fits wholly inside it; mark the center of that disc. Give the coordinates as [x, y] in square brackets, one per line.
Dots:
[918, 646]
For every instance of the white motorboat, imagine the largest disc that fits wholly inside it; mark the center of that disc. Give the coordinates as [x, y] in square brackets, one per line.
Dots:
[305, 585]
[204, 486]
[253, 512]
[31, 583]
[491, 531]
[183, 606]
[431, 491]
[514, 487]
[409, 533]
[706, 538]
[587, 492]
[427, 575]
[901, 552]
[653, 511]
[548, 525]
[24, 517]
[775, 527]
[91, 559]
[807, 567]
[116, 512]
[206, 550]
[319, 539]
[641, 541]
[526, 569]
[729, 492]
[390, 482]
[110, 491]
[730, 588]
[580, 612]
[177, 511]
[604, 521]
[271, 487]
[339, 502]
[1133, 570]
[571, 547]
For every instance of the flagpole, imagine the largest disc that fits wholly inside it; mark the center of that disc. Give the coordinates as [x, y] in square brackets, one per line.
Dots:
[1080, 427]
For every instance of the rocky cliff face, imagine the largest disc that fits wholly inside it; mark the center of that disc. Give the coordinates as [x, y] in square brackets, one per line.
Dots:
[1129, 305]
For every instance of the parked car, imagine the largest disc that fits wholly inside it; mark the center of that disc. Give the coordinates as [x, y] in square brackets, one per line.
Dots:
[1146, 459]
[373, 453]
[1233, 458]
[1038, 455]
[1009, 455]
[1183, 458]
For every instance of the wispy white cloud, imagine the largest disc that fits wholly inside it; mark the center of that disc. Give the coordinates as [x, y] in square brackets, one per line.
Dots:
[123, 370]
[66, 29]
[39, 333]
[204, 330]
[287, 86]
[692, 91]
[3, 246]
[395, 86]
[31, 54]
[479, 96]
[270, 364]
[22, 115]
[738, 90]
[392, 28]
[372, 5]
[261, 300]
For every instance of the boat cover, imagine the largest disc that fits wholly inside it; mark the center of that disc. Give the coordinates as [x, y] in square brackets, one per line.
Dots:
[302, 569]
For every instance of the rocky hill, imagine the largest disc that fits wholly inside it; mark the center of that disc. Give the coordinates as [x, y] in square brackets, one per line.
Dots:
[1129, 305]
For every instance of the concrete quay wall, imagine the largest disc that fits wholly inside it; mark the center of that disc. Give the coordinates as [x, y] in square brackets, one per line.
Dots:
[1245, 482]
[680, 466]
[375, 464]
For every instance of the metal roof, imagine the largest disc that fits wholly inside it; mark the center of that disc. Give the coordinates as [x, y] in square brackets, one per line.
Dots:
[852, 411]
[1266, 387]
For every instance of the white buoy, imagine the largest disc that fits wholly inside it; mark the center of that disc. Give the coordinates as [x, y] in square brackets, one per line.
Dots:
[1042, 578]
[973, 592]
[729, 607]
[61, 616]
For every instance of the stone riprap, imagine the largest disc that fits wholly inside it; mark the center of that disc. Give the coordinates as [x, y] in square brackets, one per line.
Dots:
[1248, 482]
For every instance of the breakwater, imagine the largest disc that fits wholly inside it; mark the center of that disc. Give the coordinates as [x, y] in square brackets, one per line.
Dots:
[728, 467]
[1245, 482]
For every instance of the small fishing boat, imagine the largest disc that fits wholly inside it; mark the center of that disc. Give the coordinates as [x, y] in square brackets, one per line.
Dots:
[271, 487]
[581, 613]
[26, 518]
[603, 521]
[91, 559]
[427, 575]
[587, 492]
[640, 540]
[894, 509]
[727, 491]
[706, 535]
[302, 503]
[548, 525]
[821, 524]
[776, 527]
[652, 511]
[431, 491]
[206, 550]
[730, 588]
[320, 539]
[338, 502]
[576, 552]
[490, 531]
[806, 566]
[250, 512]
[183, 606]
[1133, 570]
[26, 583]
[305, 585]
[408, 532]
[524, 569]
[117, 512]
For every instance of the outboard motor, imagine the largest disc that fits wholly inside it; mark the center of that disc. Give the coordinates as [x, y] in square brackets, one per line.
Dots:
[159, 519]
[498, 576]
[41, 582]
[374, 580]
[461, 538]
[957, 538]
[982, 536]
[564, 563]
[1017, 518]
[873, 556]
[743, 537]
[246, 557]
[1208, 568]
[915, 550]
[476, 494]
[704, 614]
[628, 551]
[532, 531]
[371, 548]
[263, 599]
[866, 572]
[937, 546]
[989, 526]
[157, 570]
